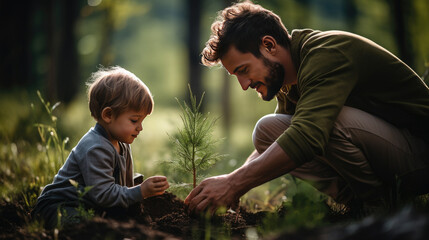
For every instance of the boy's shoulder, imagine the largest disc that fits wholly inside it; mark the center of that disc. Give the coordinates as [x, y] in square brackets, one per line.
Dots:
[94, 139]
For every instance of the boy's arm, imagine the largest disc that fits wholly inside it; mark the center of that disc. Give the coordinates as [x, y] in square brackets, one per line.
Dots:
[97, 171]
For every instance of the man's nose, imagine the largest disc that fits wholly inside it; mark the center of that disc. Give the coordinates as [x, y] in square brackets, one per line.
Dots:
[244, 82]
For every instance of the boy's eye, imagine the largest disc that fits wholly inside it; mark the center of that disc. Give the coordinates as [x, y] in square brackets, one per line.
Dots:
[133, 121]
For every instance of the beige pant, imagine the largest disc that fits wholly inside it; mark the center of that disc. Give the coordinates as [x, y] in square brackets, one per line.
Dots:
[365, 157]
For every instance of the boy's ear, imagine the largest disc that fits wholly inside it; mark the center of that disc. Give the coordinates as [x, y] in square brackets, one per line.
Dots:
[268, 44]
[107, 114]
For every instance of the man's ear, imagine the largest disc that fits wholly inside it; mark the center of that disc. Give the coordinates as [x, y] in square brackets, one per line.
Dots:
[268, 44]
[107, 114]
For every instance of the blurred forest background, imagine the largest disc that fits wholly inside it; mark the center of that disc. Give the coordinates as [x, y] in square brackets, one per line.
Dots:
[53, 46]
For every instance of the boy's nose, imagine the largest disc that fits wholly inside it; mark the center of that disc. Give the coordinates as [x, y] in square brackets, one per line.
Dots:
[139, 127]
[244, 82]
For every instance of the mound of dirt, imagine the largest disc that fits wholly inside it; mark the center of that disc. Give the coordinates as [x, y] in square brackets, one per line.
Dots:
[159, 217]
[166, 217]
[102, 228]
[169, 214]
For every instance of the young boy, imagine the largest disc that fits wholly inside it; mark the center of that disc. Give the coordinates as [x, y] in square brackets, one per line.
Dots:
[119, 102]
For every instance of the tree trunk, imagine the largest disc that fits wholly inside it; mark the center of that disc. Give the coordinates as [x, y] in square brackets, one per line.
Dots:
[106, 56]
[15, 58]
[400, 13]
[68, 78]
[226, 98]
[194, 175]
[63, 78]
[351, 14]
[194, 15]
[51, 37]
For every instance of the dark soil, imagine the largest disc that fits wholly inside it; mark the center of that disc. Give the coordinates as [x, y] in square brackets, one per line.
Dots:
[160, 217]
[166, 217]
[169, 214]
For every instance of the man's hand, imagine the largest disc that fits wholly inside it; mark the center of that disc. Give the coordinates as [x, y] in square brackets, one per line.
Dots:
[225, 190]
[212, 193]
[153, 186]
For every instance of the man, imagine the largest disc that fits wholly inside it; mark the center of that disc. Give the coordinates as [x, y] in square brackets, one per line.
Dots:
[351, 117]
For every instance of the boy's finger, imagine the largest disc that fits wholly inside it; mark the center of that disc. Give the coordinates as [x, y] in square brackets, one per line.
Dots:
[161, 185]
[159, 178]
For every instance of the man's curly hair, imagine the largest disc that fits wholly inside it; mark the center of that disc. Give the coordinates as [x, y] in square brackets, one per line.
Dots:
[242, 25]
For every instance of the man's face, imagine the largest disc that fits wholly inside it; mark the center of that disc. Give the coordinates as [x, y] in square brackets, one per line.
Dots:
[261, 74]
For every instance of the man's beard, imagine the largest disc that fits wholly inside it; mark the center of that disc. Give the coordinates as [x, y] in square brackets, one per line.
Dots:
[274, 80]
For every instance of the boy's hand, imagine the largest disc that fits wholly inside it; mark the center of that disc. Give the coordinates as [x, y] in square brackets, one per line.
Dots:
[153, 186]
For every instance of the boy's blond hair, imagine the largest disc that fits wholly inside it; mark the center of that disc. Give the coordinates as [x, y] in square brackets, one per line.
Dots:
[118, 89]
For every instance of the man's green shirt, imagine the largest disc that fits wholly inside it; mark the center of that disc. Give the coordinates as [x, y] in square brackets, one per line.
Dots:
[337, 68]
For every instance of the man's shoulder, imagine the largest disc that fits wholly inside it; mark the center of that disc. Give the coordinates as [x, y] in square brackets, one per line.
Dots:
[305, 40]
[311, 34]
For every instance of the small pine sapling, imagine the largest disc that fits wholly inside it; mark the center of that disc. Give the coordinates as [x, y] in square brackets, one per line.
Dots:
[193, 145]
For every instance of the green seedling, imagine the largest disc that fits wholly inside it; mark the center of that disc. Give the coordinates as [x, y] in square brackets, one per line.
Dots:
[193, 145]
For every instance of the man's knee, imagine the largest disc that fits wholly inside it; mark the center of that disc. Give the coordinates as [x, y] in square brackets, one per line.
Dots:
[268, 129]
[352, 118]
[259, 136]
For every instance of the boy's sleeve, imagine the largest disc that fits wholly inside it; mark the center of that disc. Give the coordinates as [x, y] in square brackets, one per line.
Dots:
[97, 171]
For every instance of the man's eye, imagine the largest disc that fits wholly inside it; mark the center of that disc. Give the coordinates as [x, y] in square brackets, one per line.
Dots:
[243, 70]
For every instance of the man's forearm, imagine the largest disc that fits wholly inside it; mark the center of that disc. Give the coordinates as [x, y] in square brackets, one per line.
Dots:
[252, 156]
[273, 163]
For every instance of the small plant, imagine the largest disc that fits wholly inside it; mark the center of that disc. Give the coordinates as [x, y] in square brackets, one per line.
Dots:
[193, 146]
[50, 138]
[31, 192]
[303, 212]
[83, 213]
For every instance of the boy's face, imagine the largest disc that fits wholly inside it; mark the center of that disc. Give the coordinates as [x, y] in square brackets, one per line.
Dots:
[126, 126]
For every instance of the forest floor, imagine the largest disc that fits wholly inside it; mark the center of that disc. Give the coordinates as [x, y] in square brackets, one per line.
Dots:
[166, 217]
